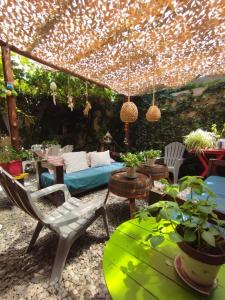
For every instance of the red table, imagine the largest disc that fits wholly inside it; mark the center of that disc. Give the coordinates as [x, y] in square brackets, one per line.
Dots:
[218, 153]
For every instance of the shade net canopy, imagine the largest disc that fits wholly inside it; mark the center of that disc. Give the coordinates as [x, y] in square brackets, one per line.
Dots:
[89, 39]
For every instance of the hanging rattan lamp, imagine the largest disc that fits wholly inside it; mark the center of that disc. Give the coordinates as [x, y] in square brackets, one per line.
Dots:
[153, 114]
[129, 111]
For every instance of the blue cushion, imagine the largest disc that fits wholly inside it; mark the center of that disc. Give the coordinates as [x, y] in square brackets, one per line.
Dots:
[217, 185]
[85, 179]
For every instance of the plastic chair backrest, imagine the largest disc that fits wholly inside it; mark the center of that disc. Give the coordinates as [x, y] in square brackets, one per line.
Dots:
[17, 194]
[173, 151]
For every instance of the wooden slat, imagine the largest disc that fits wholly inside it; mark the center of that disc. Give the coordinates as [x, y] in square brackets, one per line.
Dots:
[129, 253]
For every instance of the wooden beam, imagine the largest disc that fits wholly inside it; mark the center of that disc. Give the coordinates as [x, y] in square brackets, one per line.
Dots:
[11, 100]
[29, 55]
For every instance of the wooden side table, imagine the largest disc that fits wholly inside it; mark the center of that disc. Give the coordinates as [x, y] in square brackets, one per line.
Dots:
[132, 189]
[156, 171]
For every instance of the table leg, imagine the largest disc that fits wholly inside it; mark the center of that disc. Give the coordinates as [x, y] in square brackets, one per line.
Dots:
[204, 162]
[132, 208]
[106, 198]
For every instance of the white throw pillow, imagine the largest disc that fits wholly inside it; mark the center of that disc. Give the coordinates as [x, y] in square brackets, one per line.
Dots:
[100, 158]
[75, 161]
[89, 157]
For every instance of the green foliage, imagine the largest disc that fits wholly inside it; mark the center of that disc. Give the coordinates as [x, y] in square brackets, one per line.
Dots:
[218, 133]
[8, 154]
[199, 140]
[47, 143]
[193, 222]
[131, 159]
[152, 153]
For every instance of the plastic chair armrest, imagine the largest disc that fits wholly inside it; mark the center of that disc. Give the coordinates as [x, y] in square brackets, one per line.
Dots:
[51, 189]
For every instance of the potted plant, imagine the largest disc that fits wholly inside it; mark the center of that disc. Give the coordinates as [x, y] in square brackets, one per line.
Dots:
[199, 140]
[219, 134]
[151, 155]
[11, 159]
[194, 226]
[131, 161]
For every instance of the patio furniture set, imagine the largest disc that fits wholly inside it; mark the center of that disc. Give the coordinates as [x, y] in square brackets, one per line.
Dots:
[72, 218]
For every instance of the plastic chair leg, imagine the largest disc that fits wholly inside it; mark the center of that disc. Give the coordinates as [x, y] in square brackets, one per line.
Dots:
[35, 236]
[63, 248]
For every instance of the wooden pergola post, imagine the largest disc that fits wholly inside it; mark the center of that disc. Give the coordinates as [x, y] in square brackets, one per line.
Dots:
[11, 100]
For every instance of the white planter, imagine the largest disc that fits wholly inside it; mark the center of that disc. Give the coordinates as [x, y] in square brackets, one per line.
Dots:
[199, 272]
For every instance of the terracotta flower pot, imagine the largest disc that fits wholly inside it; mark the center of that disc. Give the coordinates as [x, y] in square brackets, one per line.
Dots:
[14, 167]
[201, 267]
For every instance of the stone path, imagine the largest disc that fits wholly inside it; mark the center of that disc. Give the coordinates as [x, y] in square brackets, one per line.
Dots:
[25, 276]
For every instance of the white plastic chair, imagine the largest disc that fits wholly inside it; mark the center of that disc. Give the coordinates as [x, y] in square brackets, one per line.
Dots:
[69, 221]
[173, 158]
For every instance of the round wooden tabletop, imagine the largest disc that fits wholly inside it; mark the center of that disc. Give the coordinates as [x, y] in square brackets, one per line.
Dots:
[122, 186]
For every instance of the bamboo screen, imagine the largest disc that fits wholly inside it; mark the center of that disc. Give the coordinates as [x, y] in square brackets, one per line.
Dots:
[89, 38]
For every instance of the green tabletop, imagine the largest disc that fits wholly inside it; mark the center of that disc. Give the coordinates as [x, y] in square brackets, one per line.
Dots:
[133, 270]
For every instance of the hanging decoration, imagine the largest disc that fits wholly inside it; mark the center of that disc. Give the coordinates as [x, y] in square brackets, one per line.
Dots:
[88, 106]
[129, 111]
[53, 88]
[153, 114]
[70, 100]
[8, 90]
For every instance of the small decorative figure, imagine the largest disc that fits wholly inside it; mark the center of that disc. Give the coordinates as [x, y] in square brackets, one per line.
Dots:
[53, 88]
[87, 108]
[70, 102]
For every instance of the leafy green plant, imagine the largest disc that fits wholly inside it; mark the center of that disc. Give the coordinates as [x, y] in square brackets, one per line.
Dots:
[47, 143]
[149, 154]
[218, 134]
[193, 222]
[8, 153]
[199, 140]
[131, 160]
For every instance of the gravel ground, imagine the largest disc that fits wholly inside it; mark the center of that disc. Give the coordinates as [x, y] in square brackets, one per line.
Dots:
[25, 276]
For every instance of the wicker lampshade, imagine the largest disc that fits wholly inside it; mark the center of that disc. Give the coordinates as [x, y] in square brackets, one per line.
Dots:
[153, 114]
[128, 112]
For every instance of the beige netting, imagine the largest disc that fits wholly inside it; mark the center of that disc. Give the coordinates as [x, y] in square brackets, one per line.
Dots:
[89, 38]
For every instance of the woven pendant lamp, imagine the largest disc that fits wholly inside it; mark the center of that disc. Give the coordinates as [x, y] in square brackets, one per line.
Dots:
[153, 114]
[129, 111]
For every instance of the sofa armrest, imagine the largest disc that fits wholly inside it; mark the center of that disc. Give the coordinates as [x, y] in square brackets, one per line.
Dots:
[58, 171]
[213, 164]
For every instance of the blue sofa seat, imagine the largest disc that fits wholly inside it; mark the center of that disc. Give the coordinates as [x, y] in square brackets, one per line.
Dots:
[217, 185]
[84, 180]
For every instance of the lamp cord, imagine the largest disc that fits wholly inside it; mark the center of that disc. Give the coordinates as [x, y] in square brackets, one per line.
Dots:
[153, 94]
[128, 75]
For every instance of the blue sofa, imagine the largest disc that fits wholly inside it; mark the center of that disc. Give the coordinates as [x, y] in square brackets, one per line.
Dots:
[79, 181]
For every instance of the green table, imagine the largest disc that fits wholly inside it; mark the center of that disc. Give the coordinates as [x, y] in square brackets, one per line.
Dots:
[133, 270]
